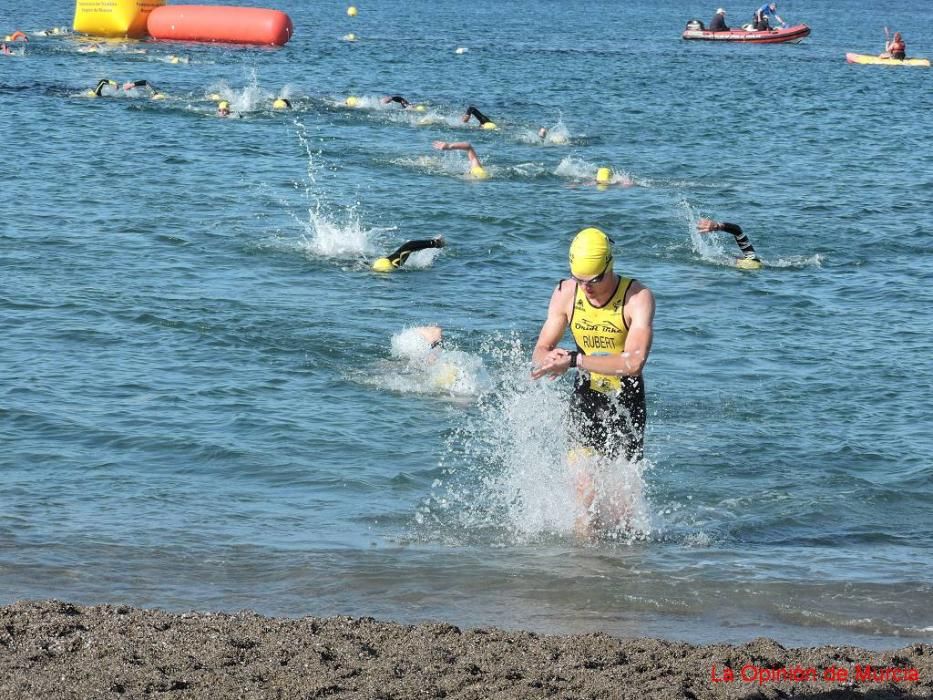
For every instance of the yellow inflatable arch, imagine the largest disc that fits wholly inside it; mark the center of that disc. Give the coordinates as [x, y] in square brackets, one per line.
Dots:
[114, 18]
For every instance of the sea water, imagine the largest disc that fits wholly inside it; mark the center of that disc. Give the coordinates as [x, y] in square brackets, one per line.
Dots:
[208, 401]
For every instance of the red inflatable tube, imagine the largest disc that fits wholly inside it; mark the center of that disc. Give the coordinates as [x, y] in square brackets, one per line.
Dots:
[234, 25]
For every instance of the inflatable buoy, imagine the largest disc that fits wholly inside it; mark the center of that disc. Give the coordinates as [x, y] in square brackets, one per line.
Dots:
[351, 11]
[233, 25]
[117, 18]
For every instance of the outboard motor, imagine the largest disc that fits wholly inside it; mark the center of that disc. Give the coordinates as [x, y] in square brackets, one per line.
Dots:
[695, 25]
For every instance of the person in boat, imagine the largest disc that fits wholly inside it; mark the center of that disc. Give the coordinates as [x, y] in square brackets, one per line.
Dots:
[610, 318]
[483, 120]
[762, 14]
[749, 259]
[718, 23]
[397, 258]
[896, 48]
[476, 167]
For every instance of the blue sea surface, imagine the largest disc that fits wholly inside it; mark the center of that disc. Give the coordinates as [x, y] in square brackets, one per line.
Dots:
[208, 400]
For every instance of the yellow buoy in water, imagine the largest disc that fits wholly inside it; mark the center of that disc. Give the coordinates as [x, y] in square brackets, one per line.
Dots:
[490, 126]
[351, 11]
[604, 176]
[352, 101]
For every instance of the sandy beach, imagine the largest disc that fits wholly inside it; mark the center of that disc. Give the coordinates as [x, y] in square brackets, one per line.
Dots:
[54, 649]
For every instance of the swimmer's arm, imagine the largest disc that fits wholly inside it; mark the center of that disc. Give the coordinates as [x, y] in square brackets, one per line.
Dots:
[630, 363]
[547, 358]
[460, 146]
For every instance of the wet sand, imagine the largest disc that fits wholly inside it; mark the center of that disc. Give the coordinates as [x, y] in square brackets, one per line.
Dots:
[59, 650]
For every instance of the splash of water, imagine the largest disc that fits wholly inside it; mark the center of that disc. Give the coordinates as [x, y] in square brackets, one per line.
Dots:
[512, 476]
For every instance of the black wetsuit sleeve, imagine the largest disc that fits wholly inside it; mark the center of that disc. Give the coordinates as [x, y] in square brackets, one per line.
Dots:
[101, 84]
[744, 244]
[399, 256]
[401, 100]
[473, 112]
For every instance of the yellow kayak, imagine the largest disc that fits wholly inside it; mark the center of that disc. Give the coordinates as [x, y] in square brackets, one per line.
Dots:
[879, 61]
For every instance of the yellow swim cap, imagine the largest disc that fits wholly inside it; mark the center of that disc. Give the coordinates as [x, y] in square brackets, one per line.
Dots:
[351, 11]
[420, 108]
[479, 172]
[748, 264]
[490, 125]
[590, 253]
[383, 265]
[279, 103]
[604, 176]
[214, 96]
[352, 101]
[158, 96]
[223, 104]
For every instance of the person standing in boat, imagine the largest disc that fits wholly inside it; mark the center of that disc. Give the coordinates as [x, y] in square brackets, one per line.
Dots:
[762, 14]
[896, 48]
[718, 23]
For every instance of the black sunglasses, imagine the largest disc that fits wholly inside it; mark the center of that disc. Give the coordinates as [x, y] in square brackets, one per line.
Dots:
[593, 280]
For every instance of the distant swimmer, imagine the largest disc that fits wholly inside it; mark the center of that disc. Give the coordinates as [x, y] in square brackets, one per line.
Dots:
[605, 178]
[5, 50]
[101, 84]
[223, 109]
[750, 260]
[389, 99]
[476, 168]
[17, 36]
[483, 120]
[145, 85]
[718, 23]
[611, 320]
[761, 22]
[281, 103]
[397, 258]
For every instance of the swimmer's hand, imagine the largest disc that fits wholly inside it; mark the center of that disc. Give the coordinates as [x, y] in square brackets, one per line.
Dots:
[440, 145]
[554, 364]
[707, 226]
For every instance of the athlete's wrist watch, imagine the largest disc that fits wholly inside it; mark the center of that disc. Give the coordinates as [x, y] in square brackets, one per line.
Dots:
[573, 357]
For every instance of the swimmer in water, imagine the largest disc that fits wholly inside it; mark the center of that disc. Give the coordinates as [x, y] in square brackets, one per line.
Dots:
[150, 88]
[750, 260]
[476, 167]
[484, 121]
[397, 258]
[281, 103]
[223, 109]
[389, 99]
[17, 36]
[101, 84]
